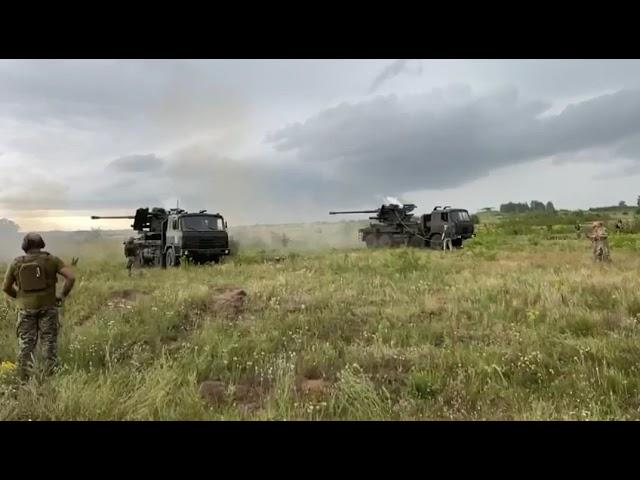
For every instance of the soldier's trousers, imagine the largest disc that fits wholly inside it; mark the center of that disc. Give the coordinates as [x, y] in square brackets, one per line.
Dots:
[601, 249]
[130, 262]
[34, 324]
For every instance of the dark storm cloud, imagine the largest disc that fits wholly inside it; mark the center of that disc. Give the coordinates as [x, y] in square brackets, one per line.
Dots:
[72, 110]
[390, 71]
[137, 163]
[355, 154]
[81, 115]
[432, 141]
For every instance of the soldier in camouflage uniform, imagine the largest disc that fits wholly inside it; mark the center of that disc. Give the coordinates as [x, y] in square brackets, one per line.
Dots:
[578, 229]
[131, 252]
[31, 279]
[447, 243]
[600, 242]
[619, 226]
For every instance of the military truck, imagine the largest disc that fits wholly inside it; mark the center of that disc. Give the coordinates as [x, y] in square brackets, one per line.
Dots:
[395, 225]
[165, 237]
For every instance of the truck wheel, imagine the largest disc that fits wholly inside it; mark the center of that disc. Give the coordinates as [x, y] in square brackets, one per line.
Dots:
[171, 259]
[385, 241]
[216, 259]
[370, 240]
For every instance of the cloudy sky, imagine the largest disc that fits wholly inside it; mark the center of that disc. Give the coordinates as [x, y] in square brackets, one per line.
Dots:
[271, 141]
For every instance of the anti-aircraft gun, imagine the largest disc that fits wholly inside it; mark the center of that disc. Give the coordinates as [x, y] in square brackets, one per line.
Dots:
[164, 237]
[395, 225]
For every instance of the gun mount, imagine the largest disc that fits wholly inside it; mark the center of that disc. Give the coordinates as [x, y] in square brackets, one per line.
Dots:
[166, 236]
[388, 214]
[395, 225]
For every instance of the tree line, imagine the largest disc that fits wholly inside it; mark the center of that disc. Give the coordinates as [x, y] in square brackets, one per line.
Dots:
[533, 206]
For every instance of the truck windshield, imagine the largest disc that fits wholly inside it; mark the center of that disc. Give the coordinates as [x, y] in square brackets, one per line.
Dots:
[460, 216]
[200, 224]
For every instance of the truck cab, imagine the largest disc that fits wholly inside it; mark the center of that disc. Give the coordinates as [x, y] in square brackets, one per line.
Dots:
[458, 221]
[202, 237]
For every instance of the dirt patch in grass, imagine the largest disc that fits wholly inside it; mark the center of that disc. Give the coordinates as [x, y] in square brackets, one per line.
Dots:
[246, 396]
[125, 298]
[434, 303]
[213, 392]
[312, 384]
[229, 300]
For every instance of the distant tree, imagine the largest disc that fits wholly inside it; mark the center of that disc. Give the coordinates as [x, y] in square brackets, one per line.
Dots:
[537, 206]
[489, 209]
[514, 207]
[8, 227]
[550, 208]
[622, 203]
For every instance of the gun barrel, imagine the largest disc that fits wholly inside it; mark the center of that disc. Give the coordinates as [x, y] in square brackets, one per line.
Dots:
[96, 217]
[353, 211]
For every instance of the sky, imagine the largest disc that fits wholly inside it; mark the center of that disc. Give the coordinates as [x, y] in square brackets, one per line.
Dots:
[283, 141]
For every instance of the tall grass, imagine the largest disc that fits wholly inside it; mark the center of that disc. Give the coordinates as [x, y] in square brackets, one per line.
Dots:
[510, 327]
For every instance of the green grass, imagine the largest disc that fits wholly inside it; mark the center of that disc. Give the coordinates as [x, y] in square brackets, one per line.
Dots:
[510, 327]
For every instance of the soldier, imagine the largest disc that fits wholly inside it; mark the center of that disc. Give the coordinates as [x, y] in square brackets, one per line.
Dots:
[619, 226]
[131, 252]
[600, 242]
[34, 275]
[578, 229]
[446, 238]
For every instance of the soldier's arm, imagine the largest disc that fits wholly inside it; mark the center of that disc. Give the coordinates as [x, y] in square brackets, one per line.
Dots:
[69, 280]
[7, 285]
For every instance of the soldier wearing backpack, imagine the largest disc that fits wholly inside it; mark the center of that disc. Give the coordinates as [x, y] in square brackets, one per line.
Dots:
[31, 279]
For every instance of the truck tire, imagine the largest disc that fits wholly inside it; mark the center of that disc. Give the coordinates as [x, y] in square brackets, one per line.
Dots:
[216, 259]
[385, 241]
[170, 258]
[370, 240]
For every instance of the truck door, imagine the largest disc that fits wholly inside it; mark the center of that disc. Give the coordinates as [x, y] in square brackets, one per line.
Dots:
[166, 232]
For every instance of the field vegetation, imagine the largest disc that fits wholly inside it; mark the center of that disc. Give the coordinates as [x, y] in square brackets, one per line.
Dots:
[519, 324]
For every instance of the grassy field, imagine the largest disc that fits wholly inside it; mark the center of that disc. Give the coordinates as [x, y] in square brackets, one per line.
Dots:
[513, 326]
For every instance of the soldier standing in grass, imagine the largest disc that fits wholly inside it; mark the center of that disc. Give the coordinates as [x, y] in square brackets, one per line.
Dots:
[578, 229]
[619, 226]
[31, 279]
[131, 252]
[446, 238]
[600, 242]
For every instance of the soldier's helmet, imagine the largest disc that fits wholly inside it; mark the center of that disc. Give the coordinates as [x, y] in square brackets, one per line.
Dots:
[31, 241]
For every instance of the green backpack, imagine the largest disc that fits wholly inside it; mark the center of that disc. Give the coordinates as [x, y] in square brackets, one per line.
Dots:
[32, 276]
